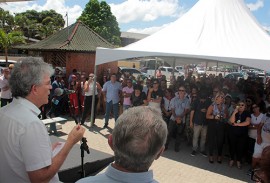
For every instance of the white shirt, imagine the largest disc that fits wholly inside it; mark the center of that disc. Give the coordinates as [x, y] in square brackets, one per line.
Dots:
[25, 145]
[3, 83]
[90, 90]
[252, 133]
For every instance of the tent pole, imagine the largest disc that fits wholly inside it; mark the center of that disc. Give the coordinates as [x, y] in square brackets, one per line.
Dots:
[217, 68]
[173, 66]
[93, 96]
[156, 68]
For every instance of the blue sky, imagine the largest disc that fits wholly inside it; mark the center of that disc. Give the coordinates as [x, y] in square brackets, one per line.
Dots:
[142, 16]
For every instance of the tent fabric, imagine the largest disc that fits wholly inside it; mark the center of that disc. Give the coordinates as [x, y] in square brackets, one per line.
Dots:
[214, 30]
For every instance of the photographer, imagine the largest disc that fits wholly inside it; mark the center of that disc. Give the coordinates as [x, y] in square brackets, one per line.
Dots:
[216, 115]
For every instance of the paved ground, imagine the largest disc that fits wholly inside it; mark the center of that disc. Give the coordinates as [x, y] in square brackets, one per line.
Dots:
[172, 167]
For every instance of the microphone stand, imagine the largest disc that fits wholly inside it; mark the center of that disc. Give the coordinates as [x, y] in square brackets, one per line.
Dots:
[84, 147]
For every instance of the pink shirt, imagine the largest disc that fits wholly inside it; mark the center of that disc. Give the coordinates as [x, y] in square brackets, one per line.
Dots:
[127, 99]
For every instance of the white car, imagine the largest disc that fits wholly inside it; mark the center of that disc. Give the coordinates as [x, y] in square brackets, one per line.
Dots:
[201, 71]
[167, 71]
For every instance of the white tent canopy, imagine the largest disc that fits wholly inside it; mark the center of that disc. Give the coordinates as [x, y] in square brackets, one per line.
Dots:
[213, 30]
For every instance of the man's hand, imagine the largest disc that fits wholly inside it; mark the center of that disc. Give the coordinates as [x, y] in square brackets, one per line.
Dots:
[191, 125]
[76, 134]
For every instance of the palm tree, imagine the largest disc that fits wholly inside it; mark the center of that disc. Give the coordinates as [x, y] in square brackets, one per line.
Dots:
[8, 40]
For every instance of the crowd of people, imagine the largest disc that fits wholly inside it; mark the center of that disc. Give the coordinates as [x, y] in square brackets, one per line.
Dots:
[209, 112]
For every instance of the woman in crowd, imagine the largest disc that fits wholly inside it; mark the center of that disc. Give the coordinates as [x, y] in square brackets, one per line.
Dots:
[166, 105]
[216, 116]
[138, 98]
[88, 93]
[256, 118]
[240, 120]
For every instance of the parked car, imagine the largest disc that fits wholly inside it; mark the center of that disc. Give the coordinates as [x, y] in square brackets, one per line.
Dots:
[136, 73]
[236, 75]
[200, 71]
[167, 71]
[180, 68]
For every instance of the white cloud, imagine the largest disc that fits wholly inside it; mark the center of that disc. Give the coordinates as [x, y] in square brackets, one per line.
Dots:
[149, 30]
[144, 10]
[59, 6]
[255, 6]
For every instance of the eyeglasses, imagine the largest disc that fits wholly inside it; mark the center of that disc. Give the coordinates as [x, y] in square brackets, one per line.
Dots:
[182, 90]
[255, 176]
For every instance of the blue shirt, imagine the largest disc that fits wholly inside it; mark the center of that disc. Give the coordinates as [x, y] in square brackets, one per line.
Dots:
[112, 91]
[179, 106]
[113, 175]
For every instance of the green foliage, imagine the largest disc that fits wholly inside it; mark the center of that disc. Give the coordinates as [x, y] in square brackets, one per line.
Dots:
[6, 20]
[39, 24]
[99, 18]
[8, 40]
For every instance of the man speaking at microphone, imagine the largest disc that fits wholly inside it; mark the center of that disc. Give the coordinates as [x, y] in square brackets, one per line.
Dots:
[26, 153]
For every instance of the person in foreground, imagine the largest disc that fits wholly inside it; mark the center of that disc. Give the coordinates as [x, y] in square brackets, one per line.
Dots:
[26, 153]
[137, 140]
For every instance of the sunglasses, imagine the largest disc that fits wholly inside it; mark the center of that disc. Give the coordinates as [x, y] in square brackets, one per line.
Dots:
[241, 105]
[182, 90]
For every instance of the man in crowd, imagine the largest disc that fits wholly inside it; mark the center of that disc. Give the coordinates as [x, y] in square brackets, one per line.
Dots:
[25, 149]
[180, 107]
[198, 123]
[137, 140]
[6, 95]
[112, 90]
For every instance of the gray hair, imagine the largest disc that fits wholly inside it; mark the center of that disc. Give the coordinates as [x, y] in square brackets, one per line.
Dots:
[138, 137]
[27, 72]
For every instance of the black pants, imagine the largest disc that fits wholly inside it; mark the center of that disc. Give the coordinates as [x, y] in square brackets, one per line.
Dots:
[5, 101]
[237, 143]
[88, 107]
[215, 135]
[174, 127]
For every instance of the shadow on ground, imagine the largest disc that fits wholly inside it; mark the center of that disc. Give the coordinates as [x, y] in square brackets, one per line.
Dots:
[202, 162]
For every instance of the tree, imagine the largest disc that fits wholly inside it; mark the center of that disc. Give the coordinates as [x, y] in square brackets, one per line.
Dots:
[8, 40]
[99, 18]
[6, 20]
[39, 24]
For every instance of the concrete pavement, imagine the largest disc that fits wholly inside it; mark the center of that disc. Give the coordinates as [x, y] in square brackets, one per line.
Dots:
[173, 166]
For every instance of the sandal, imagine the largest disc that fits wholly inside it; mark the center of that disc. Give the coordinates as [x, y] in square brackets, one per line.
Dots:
[231, 163]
